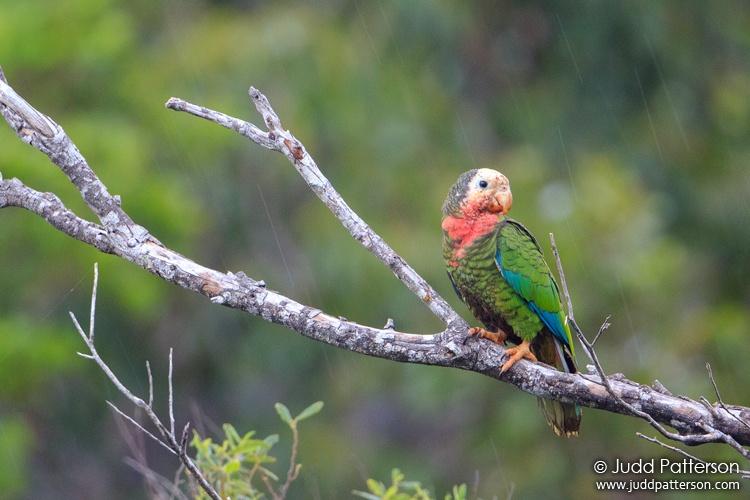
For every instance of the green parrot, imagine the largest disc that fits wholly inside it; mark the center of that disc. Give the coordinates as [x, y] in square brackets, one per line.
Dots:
[498, 270]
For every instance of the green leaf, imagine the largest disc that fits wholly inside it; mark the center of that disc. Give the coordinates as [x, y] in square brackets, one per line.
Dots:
[231, 433]
[232, 466]
[376, 487]
[283, 412]
[459, 492]
[311, 410]
[368, 496]
[411, 485]
[271, 440]
[391, 492]
[397, 476]
[251, 447]
[269, 473]
[201, 445]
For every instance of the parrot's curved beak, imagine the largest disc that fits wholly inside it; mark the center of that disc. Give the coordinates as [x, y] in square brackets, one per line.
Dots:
[501, 202]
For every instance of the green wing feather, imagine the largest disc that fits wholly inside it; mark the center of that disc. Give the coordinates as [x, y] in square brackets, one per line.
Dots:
[522, 264]
[520, 260]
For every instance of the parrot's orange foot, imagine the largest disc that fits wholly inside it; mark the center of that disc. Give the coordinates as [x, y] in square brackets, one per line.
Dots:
[516, 353]
[496, 337]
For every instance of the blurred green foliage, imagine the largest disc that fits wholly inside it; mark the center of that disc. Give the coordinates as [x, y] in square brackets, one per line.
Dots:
[622, 126]
[405, 490]
[230, 467]
[236, 467]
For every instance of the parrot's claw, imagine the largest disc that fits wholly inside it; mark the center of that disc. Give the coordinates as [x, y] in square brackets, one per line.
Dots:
[498, 337]
[516, 353]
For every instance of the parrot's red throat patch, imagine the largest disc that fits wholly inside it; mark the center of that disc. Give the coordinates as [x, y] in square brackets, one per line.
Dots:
[463, 231]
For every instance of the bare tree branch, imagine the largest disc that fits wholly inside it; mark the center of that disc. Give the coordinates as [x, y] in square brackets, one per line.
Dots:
[278, 139]
[13, 193]
[694, 422]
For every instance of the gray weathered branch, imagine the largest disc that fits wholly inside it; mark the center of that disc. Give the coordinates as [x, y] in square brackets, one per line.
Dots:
[118, 234]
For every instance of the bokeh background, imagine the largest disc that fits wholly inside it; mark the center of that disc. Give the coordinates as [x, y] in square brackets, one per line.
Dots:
[623, 127]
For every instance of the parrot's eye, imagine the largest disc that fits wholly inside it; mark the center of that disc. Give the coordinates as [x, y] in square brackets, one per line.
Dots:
[482, 183]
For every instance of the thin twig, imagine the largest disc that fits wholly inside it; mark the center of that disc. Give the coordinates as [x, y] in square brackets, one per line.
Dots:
[150, 385]
[602, 329]
[718, 397]
[184, 438]
[168, 440]
[171, 395]
[140, 427]
[672, 448]
[273, 493]
[92, 315]
[293, 471]
[563, 283]
[720, 437]
[744, 473]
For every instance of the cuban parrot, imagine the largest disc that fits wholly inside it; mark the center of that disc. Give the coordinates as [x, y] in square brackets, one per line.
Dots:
[498, 270]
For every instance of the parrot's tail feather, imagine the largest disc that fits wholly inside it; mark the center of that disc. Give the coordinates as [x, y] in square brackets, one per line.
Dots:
[564, 418]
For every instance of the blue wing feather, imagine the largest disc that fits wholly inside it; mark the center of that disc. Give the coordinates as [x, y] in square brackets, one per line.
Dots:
[523, 286]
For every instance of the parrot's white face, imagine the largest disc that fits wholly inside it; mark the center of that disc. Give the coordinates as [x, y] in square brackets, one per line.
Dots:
[488, 191]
